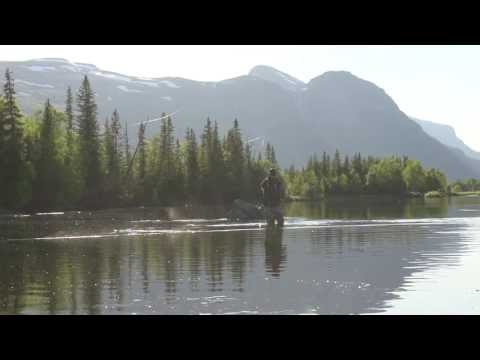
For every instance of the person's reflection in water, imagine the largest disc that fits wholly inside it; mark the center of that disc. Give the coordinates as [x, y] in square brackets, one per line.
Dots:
[275, 252]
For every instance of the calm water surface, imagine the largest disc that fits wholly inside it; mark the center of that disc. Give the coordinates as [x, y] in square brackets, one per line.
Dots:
[352, 256]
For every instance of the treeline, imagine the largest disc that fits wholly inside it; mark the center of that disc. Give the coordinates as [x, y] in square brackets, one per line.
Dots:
[65, 159]
[465, 185]
[357, 175]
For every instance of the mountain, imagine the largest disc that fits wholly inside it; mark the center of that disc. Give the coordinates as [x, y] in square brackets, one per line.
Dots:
[282, 79]
[447, 136]
[333, 110]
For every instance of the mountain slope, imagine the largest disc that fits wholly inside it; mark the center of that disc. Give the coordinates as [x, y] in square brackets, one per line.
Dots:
[334, 110]
[280, 78]
[447, 136]
[356, 114]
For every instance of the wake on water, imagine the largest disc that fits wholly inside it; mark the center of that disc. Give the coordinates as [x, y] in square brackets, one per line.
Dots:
[151, 227]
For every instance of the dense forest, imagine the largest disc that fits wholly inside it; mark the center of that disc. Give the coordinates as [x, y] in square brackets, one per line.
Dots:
[357, 175]
[64, 160]
[466, 185]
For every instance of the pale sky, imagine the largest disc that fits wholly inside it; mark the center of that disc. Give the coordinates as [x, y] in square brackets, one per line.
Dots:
[436, 83]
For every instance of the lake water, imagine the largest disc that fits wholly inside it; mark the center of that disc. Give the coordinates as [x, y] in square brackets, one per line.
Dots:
[350, 256]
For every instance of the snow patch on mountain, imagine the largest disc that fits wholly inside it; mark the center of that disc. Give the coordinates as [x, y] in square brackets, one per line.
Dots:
[169, 84]
[52, 60]
[40, 68]
[275, 76]
[124, 88]
[88, 67]
[168, 98]
[70, 67]
[24, 82]
[112, 76]
[146, 83]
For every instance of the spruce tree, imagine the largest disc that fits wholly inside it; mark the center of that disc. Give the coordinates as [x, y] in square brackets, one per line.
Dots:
[325, 165]
[217, 170]
[11, 154]
[141, 166]
[249, 186]
[206, 161]
[165, 174]
[192, 167]
[48, 175]
[89, 144]
[114, 157]
[179, 177]
[235, 159]
[70, 119]
[337, 164]
[108, 160]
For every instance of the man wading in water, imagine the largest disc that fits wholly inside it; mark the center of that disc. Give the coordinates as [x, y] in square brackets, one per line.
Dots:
[272, 191]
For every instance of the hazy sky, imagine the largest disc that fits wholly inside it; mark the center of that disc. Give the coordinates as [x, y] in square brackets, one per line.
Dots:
[436, 83]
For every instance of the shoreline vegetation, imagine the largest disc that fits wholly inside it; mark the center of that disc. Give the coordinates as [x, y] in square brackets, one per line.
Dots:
[430, 194]
[64, 160]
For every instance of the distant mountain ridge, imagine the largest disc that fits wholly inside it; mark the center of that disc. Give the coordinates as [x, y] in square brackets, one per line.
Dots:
[335, 110]
[446, 135]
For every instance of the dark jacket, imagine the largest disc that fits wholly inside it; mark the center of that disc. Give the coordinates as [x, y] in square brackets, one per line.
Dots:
[272, 190]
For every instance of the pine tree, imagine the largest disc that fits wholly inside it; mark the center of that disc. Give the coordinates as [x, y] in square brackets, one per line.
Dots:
[126, 165]
[325, 165]
[89, 144]
[270, 155]
[206, 161]
[127, 154]
[218, 171]
[70, 137]
[11, 151]
[108, 160]
[235, 160]
[114, 157]
[48, 174]
[141, 168]
[192, 167]
[346, 166]
[165, 173]
[179, 178]
[337, 164]
[249, 186]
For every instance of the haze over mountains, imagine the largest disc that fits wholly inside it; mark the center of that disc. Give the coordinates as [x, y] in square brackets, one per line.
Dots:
[333, 110]
[446, 135]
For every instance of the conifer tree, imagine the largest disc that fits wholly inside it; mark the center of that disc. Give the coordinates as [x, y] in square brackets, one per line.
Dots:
[192, 170]
[89, 144]
[47, 184]
[235, 159]
[179, 176]
[165, 173]
[206, 161]
[217, 169]
[114, 157]
[141, 165]
[11, 149]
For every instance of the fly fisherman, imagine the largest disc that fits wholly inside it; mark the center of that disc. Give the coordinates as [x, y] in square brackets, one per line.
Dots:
[273, 193]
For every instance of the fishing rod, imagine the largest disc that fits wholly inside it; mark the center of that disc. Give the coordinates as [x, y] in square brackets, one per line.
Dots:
[144, 124]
